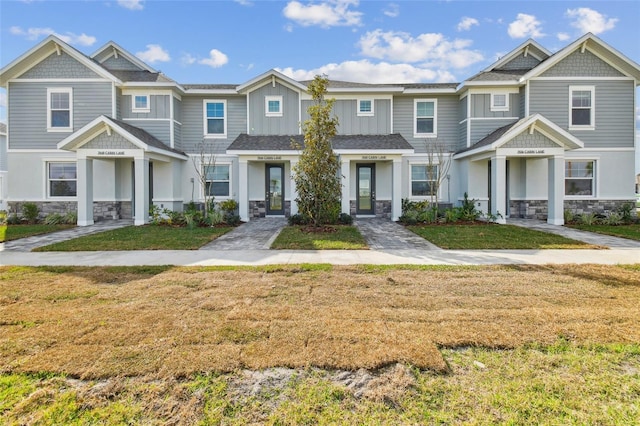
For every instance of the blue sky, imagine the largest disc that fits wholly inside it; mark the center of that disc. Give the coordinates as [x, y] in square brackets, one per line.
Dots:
[368, 41]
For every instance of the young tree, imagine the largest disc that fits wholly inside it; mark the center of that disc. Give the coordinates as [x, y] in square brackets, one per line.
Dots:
[317, 172]
[438, 165]
[204, 164]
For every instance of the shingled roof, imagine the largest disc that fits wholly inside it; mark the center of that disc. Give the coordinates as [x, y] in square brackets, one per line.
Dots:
[144, 136]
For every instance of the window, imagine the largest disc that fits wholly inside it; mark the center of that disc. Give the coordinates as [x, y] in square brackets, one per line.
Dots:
[425, 112]
[59, 110]
[215, 123]
[140, 103]
[423, 180]
[62, 179]
[217, 180]
[365, 107]
[499, 102]
[273, 106]
[579, 178]
[581, 114]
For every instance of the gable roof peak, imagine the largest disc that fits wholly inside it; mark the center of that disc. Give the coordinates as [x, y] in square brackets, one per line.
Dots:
[118, 50]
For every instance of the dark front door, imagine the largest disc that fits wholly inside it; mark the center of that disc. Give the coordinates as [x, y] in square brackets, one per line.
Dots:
[366, 189]
[275, 189]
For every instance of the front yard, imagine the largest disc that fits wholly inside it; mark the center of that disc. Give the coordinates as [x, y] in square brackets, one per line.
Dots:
[14, 232]
[625, 231]
[338, 237]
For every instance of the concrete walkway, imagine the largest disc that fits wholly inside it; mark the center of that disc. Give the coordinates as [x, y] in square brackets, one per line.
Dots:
[254, 235]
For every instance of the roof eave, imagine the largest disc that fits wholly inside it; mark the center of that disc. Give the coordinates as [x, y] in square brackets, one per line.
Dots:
[435, 91]
[211, 92]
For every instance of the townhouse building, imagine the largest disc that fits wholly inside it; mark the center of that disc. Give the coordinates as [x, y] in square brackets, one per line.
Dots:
[531, 135]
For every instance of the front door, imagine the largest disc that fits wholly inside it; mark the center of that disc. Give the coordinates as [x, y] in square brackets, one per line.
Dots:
[366, 189]
[275, 189]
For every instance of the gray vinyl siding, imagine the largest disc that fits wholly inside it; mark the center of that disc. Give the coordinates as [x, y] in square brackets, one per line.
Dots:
[481, 106]
[614, 110]
[193, 119]
[177, 109]
[158, 128]
[462, 108]
[523, 99]
[118, 104]
[482, 128]
[159, 107]
[177, 136]
[521, 62]
[447, 119]
[582, 65]
[462, 138]
[3, 153]
[28, 113]
[59, 66]
[120, 64]
[350, 124]
[263, 125]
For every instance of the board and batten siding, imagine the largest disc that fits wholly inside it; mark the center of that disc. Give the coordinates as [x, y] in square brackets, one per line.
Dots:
[481, 106]
[193, 123]
[158, 107]
[158, 128]
[447, 119]
[260, 124]
[28, 114]
[349, 123]
[614, 110]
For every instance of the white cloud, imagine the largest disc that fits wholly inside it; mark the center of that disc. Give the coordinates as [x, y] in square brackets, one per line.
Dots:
[330, 13]
[131, 4]
[563, 36]
[590, 21]
[392, 10]
[365, 70]
[244, 2]
[288, 28]
[525, 26]
[216, 59]
[433, 49]
[154, 53]
[187, 59]
[68, 37]
[466, 23]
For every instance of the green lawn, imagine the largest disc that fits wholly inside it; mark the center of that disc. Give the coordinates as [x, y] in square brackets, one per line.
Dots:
[147, 237]
[492, 236]
[297, 238]
[14, 232]
[625, 231]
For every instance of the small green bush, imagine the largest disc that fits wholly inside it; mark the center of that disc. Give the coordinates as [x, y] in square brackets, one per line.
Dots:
[613, 219]
[345, 219]
[229, 206]
[298, 219]
[588, 219]
[54, 219]
[30, 212]
[70, 218]
[3, 217]
[13, 219]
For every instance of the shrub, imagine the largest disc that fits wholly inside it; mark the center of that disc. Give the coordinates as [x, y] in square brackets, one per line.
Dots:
[70, 218]
[625, 212]
[232, 220]
[229, 206]
[569, 216]
[3, 217]
[215, 217]
[54, 219]
[588, 219]
[30, 212]
[452, 215]
[345, 219]
[13, 219]
[614, 219]
[468, 210]
[298, 219]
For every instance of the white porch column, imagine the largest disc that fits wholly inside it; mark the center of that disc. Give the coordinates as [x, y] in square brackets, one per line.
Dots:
[243, 190]
[556, 190]
[499, 187]
[85, 191]
[396, 195]
[142, 191]
[346, 186]
[293, 190]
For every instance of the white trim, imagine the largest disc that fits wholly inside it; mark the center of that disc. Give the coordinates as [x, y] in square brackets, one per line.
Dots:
[592, 108]
[583, 78]
[433, 91]
[495, 107]
[216, 164]
[433, 134]
[188, 92]
[69, 91]
[47, 193]
[272, 98]
[370, 113]
[527, 90]
[145, 119]
[426, 164]
[391, 114]
[397, 89]
[114, 97]
[172, 135]
[605, 150]
[59, 80]
[117, 49]
[595, 187]
[204, 119]
[494, 118]
[166, 92]
[146, 109]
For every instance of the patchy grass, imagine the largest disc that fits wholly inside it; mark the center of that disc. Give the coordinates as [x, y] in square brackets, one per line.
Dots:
[494, 237]
[14, 232]
[299, 238]
[146, 237]
[631, 232]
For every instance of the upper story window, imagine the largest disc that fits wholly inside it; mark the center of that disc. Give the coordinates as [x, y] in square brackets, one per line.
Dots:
[582, 107]
[365, 107]
[218, 179]
[62, 178]
[425, 118]
[579, 178]
[423, 180]
[499, 102]
[215, 118]
[273, 106]
[140, 103]
[60, 110]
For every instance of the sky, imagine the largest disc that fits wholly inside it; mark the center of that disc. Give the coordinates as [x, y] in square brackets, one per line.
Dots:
[366, 41]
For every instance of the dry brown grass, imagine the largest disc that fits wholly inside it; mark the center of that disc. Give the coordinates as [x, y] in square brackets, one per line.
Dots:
[106, 322]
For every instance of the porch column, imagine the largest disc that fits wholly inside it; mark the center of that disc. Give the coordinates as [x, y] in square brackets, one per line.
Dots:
[142, 191]
[293, 190]
[556, 190]
[85, 191]
[243, 190]
[346, 186]
[499, 187]
[396, 190]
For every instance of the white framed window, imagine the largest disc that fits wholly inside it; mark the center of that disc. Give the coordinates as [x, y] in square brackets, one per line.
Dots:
[499, 101]
[60, 109]
[365, 107]
[579, 178]
[140, 103]
[215, 118]
[425, 112]
[582, 107]
[273, 106]
[424, 180]
[61, 179]
[218, 180]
